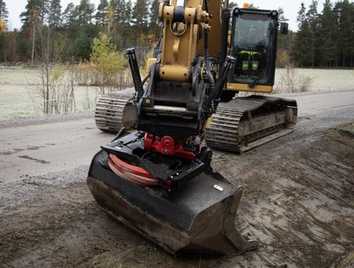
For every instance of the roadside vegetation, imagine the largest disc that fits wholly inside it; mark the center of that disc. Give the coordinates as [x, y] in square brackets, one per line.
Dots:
[108, 63]
[291, 81]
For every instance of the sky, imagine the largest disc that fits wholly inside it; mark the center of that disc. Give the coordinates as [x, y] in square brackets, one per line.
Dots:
[290, 7]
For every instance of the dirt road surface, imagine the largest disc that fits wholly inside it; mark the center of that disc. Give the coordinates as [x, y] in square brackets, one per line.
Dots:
[299, 201]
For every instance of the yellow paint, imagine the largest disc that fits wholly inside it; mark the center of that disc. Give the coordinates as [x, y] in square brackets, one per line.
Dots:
[180, 39]
[174, 72]
[208, 122]
[248, 88]
[183, 41]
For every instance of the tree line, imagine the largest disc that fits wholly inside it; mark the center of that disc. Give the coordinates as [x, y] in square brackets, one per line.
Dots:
[55, 33]
[51, 32]
[326, 38]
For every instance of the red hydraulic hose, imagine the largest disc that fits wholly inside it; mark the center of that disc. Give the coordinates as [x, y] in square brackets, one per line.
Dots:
[130, 172]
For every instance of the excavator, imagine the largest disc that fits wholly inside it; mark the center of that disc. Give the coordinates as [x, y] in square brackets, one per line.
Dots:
[156, 176]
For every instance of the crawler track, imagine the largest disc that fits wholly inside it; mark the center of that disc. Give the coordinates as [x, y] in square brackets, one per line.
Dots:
[248, 122]
[109, 114]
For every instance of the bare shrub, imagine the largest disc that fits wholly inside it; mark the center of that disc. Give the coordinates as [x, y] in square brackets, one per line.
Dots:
[85, 74]
[57, 89]
[283, 58]
[292, 82]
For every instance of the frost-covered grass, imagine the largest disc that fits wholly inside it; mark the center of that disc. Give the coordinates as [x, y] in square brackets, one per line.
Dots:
[313, 80]
[20, 95]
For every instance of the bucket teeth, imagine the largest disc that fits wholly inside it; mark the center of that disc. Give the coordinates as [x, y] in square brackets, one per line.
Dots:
[199, 219]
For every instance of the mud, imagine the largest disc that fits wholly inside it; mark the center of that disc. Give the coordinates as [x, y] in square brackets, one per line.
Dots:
[298, 204]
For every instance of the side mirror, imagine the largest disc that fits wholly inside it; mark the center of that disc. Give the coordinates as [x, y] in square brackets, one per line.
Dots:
[284, 28]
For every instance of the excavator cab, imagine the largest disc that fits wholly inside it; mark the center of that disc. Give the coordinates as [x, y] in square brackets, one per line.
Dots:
[245, 122]
[254, 45]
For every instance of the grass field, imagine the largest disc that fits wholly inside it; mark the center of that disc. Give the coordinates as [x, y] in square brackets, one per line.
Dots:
[20, 94]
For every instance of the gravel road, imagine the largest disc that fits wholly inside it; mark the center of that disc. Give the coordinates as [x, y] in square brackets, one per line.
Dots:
[298, 204]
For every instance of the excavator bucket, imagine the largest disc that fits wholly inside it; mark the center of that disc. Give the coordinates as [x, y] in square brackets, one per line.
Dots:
[197, 219]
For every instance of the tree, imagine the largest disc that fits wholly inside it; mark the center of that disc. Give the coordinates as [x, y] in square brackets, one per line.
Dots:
[140, 17]
[100, 16]
[122, 23]
[128, 13]
[127, 26]
[345, 50]
[33, 8]
[119, 6]
[32, 17]
[313, 23]
[85, 11]
[54, 16]
[37, 7]
[3, 25]
[327, 31]
[107, 61]
[70, 16]
[154, 17]
[4, 14]
[301, 54]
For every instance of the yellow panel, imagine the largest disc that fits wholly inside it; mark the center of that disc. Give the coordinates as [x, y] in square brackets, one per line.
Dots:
[248, 88]
[215, 8]
[179, 45]
[174, 72]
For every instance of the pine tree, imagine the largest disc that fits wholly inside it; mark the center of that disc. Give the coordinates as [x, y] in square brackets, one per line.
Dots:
[127, 26]
[119, 14]
[85, 11]
[345, 46]
[141, 16]
[3, 36]
[4, 14]
[32, 18]
[101, 13]
[313, 22]
[128, 13]
[326, 39]
[326, 33]
[54, 16]
[70, 16]
[301, 53]
[154, 20]
[32, 12]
